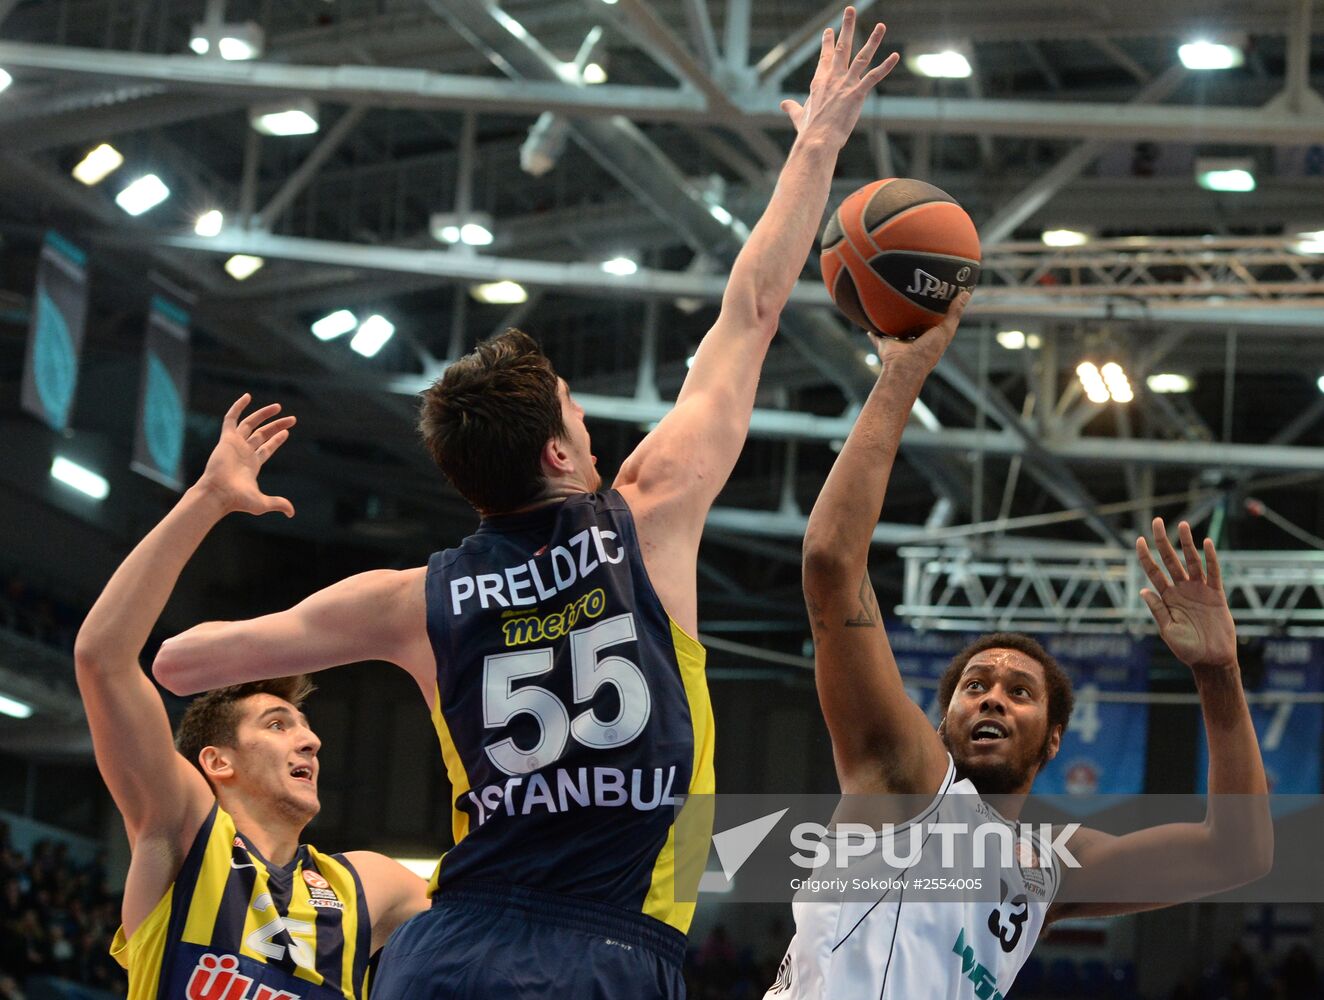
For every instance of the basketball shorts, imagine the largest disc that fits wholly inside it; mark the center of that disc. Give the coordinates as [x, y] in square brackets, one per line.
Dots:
[480, 941]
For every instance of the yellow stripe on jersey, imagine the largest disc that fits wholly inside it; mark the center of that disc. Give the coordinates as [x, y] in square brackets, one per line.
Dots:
[258, 918]
[459, 778]
[342, 882]
[661, 899]
[301, 911]
[139, 955]
[200, 925]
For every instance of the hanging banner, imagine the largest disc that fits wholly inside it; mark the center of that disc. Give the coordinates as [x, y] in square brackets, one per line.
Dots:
[1289, 731]
[55, 332]
[158, 442]
[1103, 749]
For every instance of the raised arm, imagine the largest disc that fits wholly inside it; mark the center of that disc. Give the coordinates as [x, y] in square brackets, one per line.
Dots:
[881, 740]
[379, 615]
[672, 478]
[1234, 844]
[154, 788]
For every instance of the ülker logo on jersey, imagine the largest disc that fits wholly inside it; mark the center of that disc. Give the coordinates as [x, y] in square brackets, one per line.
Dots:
[217, 977]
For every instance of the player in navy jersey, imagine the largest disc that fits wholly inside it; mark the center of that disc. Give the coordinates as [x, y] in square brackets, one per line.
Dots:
[1005, 704]
[221, 899]
[556, 646]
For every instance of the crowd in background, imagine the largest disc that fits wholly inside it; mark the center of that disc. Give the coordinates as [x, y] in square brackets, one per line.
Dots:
[27, 610]
[57, 920]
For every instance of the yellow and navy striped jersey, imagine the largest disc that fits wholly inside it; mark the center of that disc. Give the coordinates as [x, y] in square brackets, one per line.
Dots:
[233, 926]
[573, 713]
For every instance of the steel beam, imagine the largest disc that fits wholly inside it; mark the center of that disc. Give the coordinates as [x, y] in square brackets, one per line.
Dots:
[307, 170]
[802, 43]
[379, 86]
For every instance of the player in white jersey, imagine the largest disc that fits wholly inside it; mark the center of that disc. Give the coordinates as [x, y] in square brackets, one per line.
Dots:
[1007, 703]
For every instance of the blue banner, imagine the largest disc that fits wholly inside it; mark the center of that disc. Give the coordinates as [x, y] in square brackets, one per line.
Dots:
[158, 443]
[55, 332]
[1289, 731]
[1103, 750]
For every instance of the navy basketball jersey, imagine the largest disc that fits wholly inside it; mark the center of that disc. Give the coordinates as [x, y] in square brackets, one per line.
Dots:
[572, 711]
[233, 926]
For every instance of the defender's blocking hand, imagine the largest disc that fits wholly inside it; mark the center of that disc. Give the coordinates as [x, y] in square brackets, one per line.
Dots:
[243, 449]
[1187, 602]
[840, 83]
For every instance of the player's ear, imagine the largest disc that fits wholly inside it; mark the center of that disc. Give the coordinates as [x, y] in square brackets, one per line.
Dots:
[555, 457]
[1054, 742]
[217, 763]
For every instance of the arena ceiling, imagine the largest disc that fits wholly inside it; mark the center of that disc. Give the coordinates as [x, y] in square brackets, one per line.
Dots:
[1077, 115]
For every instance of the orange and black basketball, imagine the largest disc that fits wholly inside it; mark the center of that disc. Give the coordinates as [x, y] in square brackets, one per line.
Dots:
[895, 254]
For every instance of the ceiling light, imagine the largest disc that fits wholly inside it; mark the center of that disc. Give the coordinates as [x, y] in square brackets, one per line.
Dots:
[243, 266]
[1310, 243]
[239, 42]
[85, 481]
[1320, 383]
[949, 63]
[210, 223]
[146, 192]
[1012, 340]
[200, 44]
[288, 118]
[1168, 382]
[594, 74]
[1225, 174]
[1119, 386]
[1203, 54]
[500, 293]
[620, 266]
[5, 80]
[1033, 341]
[335, 324]
[544, 144]
[14, 708]
[97, 165]
[1092, 382]
[475, 234]
[720, 214]
[1064, 237]
[871, 360]
[373, 332]
[689, 363]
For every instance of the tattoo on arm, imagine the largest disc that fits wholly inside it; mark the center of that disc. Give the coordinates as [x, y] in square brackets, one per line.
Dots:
[868, 616]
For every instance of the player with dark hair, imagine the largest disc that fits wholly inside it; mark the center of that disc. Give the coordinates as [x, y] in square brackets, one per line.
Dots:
[556, 646]
[1005, 704]
[221, 899]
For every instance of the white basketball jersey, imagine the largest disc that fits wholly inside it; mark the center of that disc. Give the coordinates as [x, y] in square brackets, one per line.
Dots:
[893, 947]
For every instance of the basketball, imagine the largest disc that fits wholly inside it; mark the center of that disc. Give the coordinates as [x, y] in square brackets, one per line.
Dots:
[896, 253]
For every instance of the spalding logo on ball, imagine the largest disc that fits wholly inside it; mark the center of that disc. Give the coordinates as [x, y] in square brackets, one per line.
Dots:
[895, 254]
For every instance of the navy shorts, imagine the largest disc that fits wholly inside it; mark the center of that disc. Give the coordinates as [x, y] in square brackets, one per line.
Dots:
[481, 941]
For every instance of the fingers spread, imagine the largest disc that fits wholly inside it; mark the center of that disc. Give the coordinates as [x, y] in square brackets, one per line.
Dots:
[267, 431]
[1167, 553]
[280, 504]
[866, 54]
[1156, 608]
[1193, 566]
[847, 36]
[237, 407]
[1211, 564]
[255, 419]
[876, 75]
[268, 448]
[1150, 567]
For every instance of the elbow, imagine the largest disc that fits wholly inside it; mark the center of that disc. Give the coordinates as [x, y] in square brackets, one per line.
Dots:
[823, 566]
[169, 668]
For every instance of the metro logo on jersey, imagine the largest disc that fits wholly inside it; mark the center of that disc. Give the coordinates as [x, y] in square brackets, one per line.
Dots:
[535, 628]
[217, 977]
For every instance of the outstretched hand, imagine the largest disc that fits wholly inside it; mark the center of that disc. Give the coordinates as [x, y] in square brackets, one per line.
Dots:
[243, 449]
[1187, 602]
[840, 83]
[920, 355]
